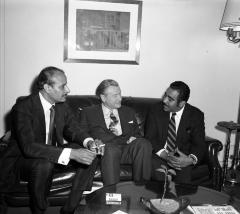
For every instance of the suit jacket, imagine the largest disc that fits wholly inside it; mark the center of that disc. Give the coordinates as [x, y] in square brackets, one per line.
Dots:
[93, 122]
[190, 134]
[29, 135]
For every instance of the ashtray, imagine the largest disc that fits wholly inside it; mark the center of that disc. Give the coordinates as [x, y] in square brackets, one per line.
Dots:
[165, 206]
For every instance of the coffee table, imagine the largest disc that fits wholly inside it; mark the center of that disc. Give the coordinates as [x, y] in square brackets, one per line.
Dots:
[131, 193]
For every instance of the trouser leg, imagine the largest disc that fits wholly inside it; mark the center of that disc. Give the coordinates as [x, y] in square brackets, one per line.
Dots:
[38, 173]
[157, 162]
[110, 164]
[182, 176]
[3, 204]
[81, 182]
[139, 154]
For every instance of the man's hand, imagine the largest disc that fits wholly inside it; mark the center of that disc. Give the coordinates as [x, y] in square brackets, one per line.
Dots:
[178, 160]
[96, 146]
[83, 156]
[131, 139]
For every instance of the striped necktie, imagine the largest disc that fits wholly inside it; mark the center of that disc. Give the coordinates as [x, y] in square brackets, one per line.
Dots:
[172, 135]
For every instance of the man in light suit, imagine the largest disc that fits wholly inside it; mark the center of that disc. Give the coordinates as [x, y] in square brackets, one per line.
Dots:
[116, 126]
[190, 133]
[33, 154]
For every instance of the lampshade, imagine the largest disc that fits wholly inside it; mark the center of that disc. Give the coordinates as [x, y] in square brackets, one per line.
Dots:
[231, 20]
[231, 16]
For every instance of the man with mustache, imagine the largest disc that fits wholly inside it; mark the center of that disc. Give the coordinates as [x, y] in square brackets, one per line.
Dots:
[177, 133]
[117, 127]
[41, 123]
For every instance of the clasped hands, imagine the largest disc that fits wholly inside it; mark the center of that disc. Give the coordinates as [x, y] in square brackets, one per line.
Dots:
[178, 160]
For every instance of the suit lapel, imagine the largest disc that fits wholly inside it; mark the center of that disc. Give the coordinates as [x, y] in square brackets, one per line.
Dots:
[38, 111]
[59, 122]
[100, 117]
[183, 123]
[164, 117]
[123, 120]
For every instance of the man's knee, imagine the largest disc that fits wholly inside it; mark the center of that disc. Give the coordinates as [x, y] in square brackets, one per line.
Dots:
[112, 152]
[143, 144]
[42, 166]
[184, 175]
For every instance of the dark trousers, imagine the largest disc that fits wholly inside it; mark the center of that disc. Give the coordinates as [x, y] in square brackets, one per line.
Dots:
[39, 174]
[138, 153]
[182, 176]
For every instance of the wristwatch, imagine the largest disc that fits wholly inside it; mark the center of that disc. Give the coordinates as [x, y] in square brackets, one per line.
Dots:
[193, 158]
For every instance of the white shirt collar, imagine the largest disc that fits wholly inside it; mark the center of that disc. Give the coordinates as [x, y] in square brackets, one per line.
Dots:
[46, 105]
[107, 111]
[178, 113]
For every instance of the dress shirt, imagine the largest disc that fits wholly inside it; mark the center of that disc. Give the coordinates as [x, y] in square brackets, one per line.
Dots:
[106, 114]
[177, 122]
[64, 158]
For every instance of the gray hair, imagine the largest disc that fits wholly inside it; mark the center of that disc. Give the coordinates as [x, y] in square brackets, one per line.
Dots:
[104, 85]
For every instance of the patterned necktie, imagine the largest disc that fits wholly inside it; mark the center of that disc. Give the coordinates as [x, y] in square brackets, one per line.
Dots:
[113, 122]
[172, 135]
[51, 132]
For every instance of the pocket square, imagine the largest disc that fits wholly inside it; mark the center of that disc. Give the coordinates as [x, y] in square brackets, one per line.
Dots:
[130, 121]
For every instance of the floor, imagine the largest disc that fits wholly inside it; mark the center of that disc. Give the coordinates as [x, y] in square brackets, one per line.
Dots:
[26, 210]
[50, 210]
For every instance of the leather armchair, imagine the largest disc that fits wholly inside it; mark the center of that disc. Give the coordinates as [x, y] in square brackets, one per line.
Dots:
[207, 173]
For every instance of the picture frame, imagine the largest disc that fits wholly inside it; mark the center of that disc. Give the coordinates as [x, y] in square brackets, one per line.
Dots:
[102, 31]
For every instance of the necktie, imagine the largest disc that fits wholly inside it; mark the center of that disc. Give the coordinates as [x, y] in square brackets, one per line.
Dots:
[113, 122]
[172, 135]
[51, 126]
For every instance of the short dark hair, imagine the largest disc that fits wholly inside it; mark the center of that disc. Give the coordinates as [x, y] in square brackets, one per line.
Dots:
[105, 84]
[183, 89]
[45, 76]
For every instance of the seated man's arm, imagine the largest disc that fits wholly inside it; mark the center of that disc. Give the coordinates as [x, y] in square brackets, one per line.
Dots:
[152, 132]
[73, 130]
[24, 131]
[198, 147]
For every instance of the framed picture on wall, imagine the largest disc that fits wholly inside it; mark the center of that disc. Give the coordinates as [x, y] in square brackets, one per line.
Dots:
[102, 31]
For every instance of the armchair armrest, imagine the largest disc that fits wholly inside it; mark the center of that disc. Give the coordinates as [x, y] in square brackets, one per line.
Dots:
[214, 146]
[4, 140]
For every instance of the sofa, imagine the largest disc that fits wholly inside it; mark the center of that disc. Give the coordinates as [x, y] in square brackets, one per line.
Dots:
[207, 173]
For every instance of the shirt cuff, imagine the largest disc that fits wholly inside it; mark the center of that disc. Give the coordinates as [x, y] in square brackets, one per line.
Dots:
[86, 141]
[160, 152]
[194, 158]
[64, 158]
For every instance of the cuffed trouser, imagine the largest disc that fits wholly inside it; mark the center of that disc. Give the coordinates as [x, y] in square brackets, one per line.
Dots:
[39, 173]
[138, 153]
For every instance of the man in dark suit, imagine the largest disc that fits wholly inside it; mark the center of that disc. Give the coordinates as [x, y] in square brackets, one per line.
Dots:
[116, 126]
[187, 140]
[37, 143]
